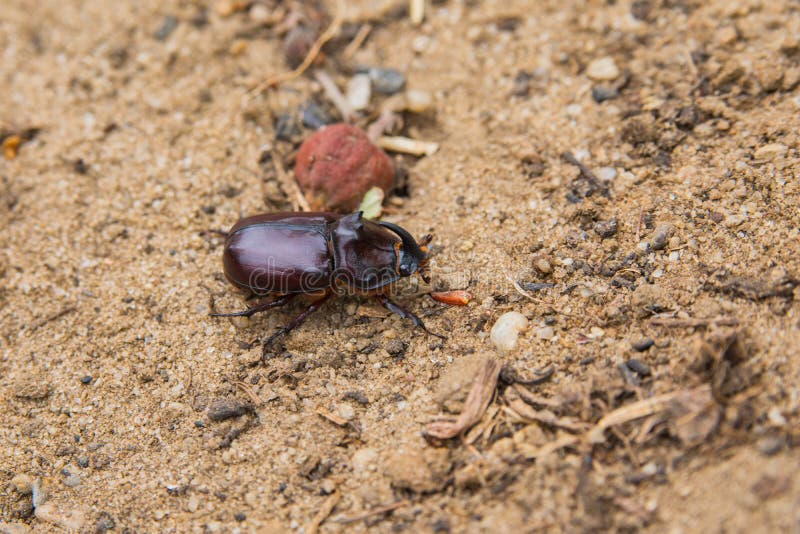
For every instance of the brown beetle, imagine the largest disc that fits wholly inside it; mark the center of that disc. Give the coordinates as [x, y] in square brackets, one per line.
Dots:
[283, 255]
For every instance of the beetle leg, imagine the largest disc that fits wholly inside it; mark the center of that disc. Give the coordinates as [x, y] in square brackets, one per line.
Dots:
[294, 323]
[404, 313]
[264, 306]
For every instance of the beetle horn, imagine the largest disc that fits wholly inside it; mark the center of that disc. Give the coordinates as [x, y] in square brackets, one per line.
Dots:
[409, 243]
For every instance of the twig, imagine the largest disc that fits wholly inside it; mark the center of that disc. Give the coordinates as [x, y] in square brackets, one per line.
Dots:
[335, 95]
[477, 401]
[332, 30]
[299, 202]
[694, 323]
[405, 145]
[358, 40]
[249, 392]
[375, 511]
[416, 11]
[330, 416]
[323, 513]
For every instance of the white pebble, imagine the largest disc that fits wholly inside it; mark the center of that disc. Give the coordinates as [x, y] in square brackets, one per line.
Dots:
[606, 173]
[545, 332]
[346, 411]
[359, 91]
[506, 329]
[364, 459]
[418, 101]
[603, 69]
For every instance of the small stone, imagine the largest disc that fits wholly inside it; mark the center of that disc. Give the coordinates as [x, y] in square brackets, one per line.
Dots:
[72, 480]
[259, 13]
[420, 471]
[192, 504]
[297, 44]
[606, 229]
[359, 92]
[386, 81]
[466, 245]
[23, 484]
[364, 460]
[83, 461]
[395, 347]
[603, 69]
[545, 332]
[313, 116]
[346, 411]
[643, 247]
[770, 152]
[222, 409]
[661, 236]
[641, 345]
[241, 516]
[418, 101]
[104, 523]
[168, 25]
[770, 445]
[506, 329]
[606, 174]
[543, 265]
[638, 367]
[601, 93]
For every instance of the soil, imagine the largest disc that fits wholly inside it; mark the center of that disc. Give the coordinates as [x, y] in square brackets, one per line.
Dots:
[126, 407]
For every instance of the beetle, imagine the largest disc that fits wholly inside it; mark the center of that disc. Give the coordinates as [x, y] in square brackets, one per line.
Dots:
[286, 254]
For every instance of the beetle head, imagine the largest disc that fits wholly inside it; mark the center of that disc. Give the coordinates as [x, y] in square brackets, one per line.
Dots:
[412, 256]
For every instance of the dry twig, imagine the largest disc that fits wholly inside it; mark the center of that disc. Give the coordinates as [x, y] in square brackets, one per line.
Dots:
[326, 36]
[375, 511]
[323, 513]
[477, 401]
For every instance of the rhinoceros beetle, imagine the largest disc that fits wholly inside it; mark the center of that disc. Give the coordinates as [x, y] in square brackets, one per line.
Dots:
[283, 255]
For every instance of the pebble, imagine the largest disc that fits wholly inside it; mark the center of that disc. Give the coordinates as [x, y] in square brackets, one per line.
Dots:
[606, 174]
[418, 101]
[222, 409]
[83, 461]
[770, 445]
[346, 411]
[543, 266]
[601, 93]
[603, 69]
[638, 367]
[421, 471]
[545, 332]
[643, 247]
[386, 81]
[770, 152]
[641, 345]
[22, 483]
[364, 459]
[72, 480]
[86, 380]
[313, 116]
[168, 25]
[506, 330]
[192, 504]
[661, 236]
[259, 13]
[606, 229]
[359, 91]
[14, 528]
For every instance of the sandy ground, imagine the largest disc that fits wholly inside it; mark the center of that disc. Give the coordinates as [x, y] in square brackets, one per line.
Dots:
[687, 237]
